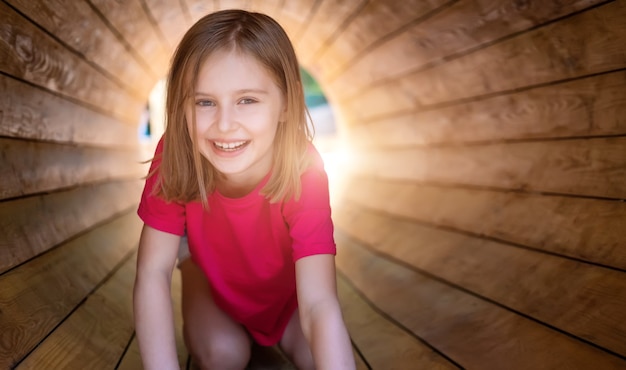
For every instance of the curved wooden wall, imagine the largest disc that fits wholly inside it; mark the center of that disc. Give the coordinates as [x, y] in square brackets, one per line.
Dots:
[482, 221]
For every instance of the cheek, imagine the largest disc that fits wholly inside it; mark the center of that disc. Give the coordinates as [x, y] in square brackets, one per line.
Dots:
[202, 122]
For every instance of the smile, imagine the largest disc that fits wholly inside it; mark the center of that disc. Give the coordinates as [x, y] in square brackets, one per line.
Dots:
[230, 147]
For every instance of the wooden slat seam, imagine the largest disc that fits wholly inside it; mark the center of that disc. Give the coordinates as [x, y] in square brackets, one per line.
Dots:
[481, 236]
[82, 301]
[475, 98]
[344, 277]
[451, 57]
[389, 36]
[396, 261]
[73, 237]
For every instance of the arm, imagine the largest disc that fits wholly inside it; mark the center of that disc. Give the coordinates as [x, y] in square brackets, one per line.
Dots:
[154, 321]
[320, 313]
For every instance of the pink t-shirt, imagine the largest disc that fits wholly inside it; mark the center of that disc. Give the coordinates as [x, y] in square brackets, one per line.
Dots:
[247, 247]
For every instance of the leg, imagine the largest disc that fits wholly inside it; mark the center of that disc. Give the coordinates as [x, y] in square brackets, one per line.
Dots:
[295, 345]
[214, 340]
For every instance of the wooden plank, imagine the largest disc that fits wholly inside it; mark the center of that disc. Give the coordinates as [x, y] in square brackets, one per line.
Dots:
[200, 8]
[31, 226]
[473, 332]
[383, 344]
[295, 16]
[376, 20]
[131, 359]
[591, 106]
[131, 21]
[327, 22]
[170, 18]
[531, 283]
[32, 113]
[589, 167]
[37, 296]
[234, 4]
[30, 54]
[584, 44]
[31, 167]
[77, 25]
[359, 361]
[269, 7]
[460, 28]
[587, 229]
[95, 335]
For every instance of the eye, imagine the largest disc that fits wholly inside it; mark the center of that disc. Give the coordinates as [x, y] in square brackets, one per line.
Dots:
[205, 103]
[247, 101]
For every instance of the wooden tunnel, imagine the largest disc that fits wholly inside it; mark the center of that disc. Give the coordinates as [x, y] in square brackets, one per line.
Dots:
[480, 217]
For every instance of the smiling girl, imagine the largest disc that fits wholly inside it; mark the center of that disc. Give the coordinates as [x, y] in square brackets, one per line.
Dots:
[236, 177]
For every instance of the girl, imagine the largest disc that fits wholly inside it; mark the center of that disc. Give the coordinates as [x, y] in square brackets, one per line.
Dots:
[236, 173]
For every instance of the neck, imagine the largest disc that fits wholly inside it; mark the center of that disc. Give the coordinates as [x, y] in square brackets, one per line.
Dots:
[232, 187]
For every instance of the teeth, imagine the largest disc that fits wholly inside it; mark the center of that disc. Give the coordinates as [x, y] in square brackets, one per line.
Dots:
[229, 146]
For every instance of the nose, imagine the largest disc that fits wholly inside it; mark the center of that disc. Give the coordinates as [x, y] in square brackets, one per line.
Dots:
[225, 119]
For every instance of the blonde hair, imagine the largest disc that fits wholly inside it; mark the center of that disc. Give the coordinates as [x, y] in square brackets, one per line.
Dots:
[184, 174]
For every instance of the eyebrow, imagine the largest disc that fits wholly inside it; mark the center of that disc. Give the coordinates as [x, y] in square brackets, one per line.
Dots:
[238, 92]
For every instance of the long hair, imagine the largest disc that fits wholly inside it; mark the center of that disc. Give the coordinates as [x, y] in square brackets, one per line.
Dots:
[184, 174]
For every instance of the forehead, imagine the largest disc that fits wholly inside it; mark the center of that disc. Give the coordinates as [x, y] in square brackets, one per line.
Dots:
[233, 69]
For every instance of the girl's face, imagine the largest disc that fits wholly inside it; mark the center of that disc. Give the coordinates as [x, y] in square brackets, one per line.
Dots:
[238, 106]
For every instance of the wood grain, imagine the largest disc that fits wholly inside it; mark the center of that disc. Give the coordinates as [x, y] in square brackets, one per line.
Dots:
[29, 112]
[295, 16]
[131, 359]
[28, 53]
[473, 332]
[327, 22]
[199, 8]
[96, 334]
[36, 297]
[587, 43]
[77, 25]
[460, 28]
[234, 4]
[269, 7]
[32, 167]
[587, 229]
[359, 362]
[588, 304]
[31, 226]
[589, 167]
[376, 20]
[171, 19]
[383, 344]
[591, 106]
[131, 21]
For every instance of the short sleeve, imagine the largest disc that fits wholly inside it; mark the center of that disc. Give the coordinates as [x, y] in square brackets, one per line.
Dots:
[309, 218]
[156, 212]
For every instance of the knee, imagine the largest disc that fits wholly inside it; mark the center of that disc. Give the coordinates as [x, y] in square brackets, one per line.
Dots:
[218, 352]
[303, 358]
